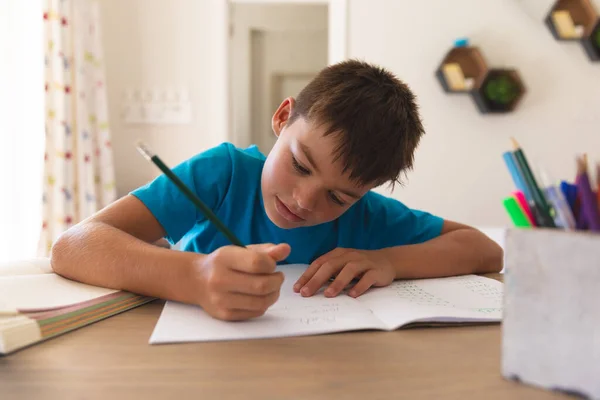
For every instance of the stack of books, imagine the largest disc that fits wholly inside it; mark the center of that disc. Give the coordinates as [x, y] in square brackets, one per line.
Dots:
[36, 304]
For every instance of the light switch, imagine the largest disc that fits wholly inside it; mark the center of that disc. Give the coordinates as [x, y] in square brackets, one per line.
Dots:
[156, 106]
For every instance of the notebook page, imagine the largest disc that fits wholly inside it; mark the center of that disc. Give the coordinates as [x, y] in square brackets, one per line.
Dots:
[32, 266]
[468, 298]
[45, 291]
[291, 315]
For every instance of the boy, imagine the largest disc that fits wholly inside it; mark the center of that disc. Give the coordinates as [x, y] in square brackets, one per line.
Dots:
[354, 127]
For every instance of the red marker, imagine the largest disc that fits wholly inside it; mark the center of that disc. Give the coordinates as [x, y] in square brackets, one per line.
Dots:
[520, 197]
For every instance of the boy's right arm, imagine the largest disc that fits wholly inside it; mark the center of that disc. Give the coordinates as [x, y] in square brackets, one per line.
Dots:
[113, 249]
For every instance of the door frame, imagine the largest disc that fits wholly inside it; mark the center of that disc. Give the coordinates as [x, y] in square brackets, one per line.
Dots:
[337, 11]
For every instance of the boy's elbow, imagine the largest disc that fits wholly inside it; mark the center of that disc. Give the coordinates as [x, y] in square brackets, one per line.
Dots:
[494, 262]
[59, 248]
[61, 251]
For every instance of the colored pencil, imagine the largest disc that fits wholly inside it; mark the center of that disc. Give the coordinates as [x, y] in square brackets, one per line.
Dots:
[569, 191]
[545, 211]
[519, 181]
[589, 202]
[598, 184]
[563, 217]
[150, 156]
[516, 175]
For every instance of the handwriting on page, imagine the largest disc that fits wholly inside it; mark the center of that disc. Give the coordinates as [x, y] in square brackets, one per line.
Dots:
[311, 314]
[416, 295]
[487, 310]
[484, 290]
[464, 292]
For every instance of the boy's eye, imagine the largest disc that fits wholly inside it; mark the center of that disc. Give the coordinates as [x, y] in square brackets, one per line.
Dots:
[336, 199]
[298, 167]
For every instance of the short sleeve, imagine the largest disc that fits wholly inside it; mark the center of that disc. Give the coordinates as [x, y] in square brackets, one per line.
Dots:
[207, 174]
[390, 223]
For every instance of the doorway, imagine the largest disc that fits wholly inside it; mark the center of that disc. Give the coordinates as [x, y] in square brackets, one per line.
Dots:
[275, 49]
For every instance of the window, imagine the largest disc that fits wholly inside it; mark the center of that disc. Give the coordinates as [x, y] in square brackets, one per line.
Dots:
[21, 127]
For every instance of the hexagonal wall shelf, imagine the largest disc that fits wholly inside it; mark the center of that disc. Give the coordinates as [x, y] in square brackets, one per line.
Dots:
[494, 90]
[576, 20]
[461, 70]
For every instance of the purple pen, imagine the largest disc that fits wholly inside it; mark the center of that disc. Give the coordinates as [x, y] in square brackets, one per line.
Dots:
[589, 205]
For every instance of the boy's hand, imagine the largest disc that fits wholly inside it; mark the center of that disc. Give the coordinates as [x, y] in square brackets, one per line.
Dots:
[369, 266]
[240, 283]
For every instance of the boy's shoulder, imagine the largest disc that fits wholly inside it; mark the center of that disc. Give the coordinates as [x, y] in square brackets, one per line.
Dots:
[391, 222]
[226, 159]
[375, 202]
[227, 150]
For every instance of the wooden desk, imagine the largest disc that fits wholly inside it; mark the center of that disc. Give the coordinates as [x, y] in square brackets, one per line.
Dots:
[112, 359]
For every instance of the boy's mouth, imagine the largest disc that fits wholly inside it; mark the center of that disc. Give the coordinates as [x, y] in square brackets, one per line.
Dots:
[285, 212]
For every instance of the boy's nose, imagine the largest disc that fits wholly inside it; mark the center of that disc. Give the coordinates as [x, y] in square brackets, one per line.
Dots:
[306, 199]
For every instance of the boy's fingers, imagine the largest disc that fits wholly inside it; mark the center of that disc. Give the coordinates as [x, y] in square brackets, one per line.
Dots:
[279, 252]
[252, 260]
[253, 284]
[236, 315]
[343, 279]
[262, 248]
[309, 273]
[328, 256]
[314, 267]
[321, 276]
[326, 271]
[238, 301]
[368, 280]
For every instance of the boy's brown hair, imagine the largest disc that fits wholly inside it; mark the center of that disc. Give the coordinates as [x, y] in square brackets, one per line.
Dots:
[372, 112]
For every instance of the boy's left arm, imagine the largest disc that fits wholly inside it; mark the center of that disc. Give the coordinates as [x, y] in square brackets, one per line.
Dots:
[458, 250]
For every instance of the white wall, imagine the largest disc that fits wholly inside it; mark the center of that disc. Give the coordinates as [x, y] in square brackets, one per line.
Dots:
[459, 171]
[160, 44]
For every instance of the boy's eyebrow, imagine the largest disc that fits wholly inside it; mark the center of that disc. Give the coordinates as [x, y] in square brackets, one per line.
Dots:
[307, 154]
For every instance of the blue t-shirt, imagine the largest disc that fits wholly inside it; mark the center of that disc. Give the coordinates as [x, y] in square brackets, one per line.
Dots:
[227, 179]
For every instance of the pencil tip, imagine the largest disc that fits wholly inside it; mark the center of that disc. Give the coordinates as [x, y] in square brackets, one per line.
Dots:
[514, 143]
[581, 164]
[144, 150]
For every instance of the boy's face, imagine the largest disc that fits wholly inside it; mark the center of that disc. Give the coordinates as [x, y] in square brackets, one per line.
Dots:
[301, 185]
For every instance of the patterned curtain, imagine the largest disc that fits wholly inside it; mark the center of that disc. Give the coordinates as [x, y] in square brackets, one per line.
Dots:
[78, 166]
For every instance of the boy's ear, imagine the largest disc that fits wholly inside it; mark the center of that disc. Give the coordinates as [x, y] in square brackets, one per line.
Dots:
[282, 115]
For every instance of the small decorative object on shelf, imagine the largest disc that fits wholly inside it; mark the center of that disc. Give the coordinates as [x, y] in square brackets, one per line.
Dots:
[592, 44]
[464, 70]
[500, 91]
[576, 20]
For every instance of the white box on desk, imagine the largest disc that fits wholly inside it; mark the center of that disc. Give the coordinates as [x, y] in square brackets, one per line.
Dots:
[551, 316]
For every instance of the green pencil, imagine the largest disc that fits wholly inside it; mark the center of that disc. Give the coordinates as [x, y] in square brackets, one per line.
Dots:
[150, 156]
[545, 211]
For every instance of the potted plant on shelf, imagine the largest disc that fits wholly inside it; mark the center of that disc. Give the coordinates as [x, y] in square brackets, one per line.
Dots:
[500, 91]
[596, 37]
[591, 43]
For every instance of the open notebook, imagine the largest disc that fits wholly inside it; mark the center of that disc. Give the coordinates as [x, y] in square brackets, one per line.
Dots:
[36, 304]
[456, 300]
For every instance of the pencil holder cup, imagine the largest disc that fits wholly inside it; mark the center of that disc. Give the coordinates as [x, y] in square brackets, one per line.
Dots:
[551, 316]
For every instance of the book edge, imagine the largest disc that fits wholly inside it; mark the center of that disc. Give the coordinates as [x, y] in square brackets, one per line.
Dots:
[6, 351]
